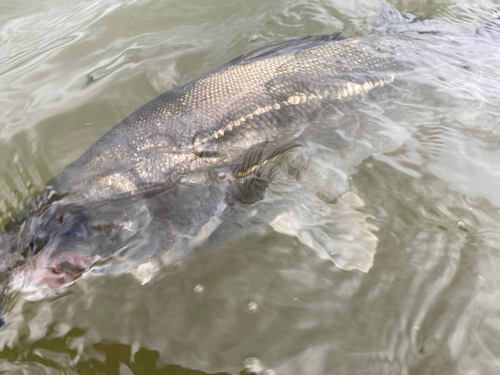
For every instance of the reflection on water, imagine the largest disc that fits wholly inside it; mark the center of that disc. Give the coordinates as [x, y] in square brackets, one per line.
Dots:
[406, 188]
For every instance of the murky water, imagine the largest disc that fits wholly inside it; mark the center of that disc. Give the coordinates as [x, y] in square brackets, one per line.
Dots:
[416, 199]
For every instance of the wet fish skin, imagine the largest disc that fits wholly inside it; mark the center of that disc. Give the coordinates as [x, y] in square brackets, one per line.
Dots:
[271, 93]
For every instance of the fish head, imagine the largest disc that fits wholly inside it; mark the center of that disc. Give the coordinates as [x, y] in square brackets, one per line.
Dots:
[54, 248]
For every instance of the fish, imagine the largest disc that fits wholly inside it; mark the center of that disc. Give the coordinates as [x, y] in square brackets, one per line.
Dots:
[163, 181]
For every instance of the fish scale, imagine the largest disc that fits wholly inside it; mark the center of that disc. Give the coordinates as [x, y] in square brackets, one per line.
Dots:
[256, 97]
[177, 166]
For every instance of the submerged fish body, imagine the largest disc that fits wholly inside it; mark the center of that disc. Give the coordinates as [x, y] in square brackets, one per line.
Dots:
[164, 179]
[270, 93]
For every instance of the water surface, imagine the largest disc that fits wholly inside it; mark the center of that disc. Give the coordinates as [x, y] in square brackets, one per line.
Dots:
[263, 301]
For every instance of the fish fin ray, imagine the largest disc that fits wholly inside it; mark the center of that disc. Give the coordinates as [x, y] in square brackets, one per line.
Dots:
[283, 48]
[251, 160]
[389, 15]
[336, 232]
[392, 21]
[252, 178]
[253, 163]
[490, 29]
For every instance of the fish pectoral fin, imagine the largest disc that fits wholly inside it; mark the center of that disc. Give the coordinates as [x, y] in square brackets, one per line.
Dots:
[254, 165]
[251, 160]
[255, 171]
[336, 232]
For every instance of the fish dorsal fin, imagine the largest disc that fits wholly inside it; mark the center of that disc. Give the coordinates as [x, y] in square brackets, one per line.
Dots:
[391, 21]
[283, 48]
[255, 171]
[389, 15]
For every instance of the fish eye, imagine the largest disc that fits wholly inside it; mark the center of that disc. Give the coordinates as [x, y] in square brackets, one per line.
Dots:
[54, 223]
[38, 242]
[74, 224]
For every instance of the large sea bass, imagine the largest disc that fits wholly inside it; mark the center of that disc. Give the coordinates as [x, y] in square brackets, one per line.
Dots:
[163, 179]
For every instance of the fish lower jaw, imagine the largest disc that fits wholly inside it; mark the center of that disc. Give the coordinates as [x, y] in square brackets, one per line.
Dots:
[37, 280]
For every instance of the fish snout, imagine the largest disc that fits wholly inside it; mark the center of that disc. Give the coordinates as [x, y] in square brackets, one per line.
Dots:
[56, 249]
[52, 271]
[63, 269]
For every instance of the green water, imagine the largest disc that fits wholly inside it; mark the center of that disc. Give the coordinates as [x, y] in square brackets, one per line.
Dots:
[70, 70]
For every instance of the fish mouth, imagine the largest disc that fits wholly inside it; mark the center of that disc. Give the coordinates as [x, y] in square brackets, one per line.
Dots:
[46, 272]
[65, 269]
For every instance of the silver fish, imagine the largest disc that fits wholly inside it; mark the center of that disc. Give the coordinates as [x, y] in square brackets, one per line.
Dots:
[136, 188]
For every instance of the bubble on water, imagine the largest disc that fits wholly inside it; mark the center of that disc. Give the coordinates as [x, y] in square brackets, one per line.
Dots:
[461, 225]
[198, 289]
[253, 365]
[252, 306]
